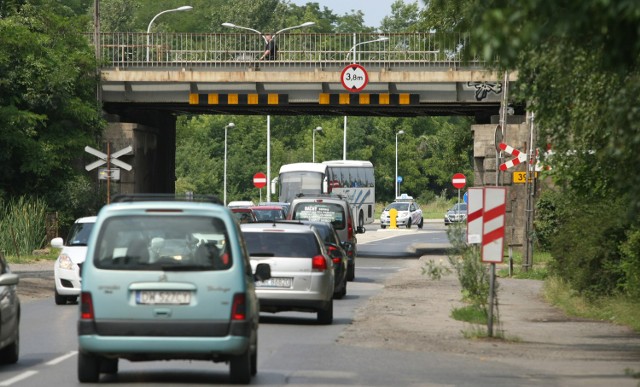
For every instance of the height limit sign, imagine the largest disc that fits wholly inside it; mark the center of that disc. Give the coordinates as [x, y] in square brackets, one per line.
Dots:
[354, 78]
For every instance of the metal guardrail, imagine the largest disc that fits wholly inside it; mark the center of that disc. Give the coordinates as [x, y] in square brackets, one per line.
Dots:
[295, 50]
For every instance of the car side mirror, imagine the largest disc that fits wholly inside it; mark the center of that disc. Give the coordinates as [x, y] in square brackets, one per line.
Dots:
[347, 245]
[263, 272]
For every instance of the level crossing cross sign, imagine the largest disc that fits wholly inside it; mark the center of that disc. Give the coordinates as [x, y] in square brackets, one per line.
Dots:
[518, 157]
[113, 158]
[259, 180]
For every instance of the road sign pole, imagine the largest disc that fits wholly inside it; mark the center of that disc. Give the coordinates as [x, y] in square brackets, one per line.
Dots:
[109, 174]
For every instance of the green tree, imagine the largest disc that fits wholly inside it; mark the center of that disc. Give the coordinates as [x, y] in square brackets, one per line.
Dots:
[48, 110]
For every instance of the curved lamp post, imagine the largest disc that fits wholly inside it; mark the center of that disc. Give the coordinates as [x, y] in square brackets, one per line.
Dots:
[396, 189]
[231, 25]
[224, 184]
[183, 8]
[353, 50]
[318, 129]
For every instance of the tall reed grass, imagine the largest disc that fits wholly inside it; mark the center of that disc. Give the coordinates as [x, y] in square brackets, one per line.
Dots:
[22, 225]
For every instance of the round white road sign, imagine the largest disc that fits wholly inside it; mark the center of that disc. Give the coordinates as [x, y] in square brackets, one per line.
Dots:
[354, 78]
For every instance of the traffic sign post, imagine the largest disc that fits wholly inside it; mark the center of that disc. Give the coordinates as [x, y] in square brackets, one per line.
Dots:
[354, 78]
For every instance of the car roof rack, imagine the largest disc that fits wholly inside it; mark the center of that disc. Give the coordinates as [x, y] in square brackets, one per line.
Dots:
[164, 197]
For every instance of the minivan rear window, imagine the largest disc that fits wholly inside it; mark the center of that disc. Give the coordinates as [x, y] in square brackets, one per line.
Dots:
[321, 212]
[163, 243]
[281, 244]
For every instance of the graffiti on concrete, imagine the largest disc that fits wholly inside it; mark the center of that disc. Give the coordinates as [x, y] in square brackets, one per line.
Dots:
[484, 88]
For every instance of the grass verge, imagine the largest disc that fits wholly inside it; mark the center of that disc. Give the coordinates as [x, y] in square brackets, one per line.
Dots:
[615, 309]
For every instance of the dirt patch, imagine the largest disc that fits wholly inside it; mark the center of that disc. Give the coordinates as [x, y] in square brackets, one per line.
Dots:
[412, 313]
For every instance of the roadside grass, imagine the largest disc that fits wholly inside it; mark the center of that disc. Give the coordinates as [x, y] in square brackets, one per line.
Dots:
[49, 254]
[538, 271]
[615, 309]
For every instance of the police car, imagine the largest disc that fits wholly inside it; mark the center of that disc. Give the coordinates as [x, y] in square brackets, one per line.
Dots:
[409, 213]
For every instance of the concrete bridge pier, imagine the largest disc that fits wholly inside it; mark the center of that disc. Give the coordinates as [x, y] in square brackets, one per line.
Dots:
[153, 138]
[486, 168]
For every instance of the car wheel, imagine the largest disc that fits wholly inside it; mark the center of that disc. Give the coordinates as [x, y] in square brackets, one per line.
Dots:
[351, 271]
[325, 316]
[240, 368]
[409, 223]
[10, 354]
[361, 219]
[383, 226]
[109, 366]
[421, 223]
[88, 368]
[60, 299]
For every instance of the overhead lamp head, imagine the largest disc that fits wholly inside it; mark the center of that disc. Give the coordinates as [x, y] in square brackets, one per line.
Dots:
[184, 8]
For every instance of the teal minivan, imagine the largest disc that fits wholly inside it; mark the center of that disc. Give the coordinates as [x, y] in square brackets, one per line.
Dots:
[167, 279]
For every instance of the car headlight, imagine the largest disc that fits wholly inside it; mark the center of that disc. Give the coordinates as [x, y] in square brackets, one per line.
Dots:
[65, 262]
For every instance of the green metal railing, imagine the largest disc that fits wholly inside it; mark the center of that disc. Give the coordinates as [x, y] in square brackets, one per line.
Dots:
[295, 50]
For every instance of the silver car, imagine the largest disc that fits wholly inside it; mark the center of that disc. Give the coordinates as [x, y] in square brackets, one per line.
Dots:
[9, 314]
[456, 214]
[302, 274]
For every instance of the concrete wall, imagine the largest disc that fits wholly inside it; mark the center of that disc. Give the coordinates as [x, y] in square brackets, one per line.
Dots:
[487, 173]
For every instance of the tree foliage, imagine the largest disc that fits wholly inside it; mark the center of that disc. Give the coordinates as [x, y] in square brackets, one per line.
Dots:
[48, 109]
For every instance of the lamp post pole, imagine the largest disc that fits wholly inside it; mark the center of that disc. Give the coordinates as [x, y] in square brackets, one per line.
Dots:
[396, 189]
[224, 184]
[231, 25]
[183, 8]
[352, 51]
[318, 129]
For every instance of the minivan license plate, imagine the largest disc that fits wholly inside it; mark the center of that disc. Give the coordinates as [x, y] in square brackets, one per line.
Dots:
[163, 297]
[277, 282]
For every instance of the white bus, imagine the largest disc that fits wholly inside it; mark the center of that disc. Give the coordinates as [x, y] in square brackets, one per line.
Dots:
[353, 179]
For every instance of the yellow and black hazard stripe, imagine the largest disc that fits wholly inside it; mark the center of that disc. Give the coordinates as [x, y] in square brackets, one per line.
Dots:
[369, 99]
[238, 99]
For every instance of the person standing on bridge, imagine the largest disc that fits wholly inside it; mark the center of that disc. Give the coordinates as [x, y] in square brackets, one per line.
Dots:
[270, 50]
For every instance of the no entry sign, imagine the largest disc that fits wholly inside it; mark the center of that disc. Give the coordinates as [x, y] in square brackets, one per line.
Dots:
[459, 180]
[259, 180]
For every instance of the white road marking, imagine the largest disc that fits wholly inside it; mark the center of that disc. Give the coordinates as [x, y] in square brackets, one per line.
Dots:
[17, 378]
[61, 358]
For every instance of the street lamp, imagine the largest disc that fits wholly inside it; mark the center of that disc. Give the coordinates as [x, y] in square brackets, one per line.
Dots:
[231, 25]
[183, 8]
[224, 184]
[396, 190]
[318, 129]
[353, 49]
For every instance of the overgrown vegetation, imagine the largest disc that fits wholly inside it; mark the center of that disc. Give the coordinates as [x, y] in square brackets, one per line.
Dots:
[22, 221]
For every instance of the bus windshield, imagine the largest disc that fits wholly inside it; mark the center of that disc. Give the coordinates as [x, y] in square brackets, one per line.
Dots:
[294, 183]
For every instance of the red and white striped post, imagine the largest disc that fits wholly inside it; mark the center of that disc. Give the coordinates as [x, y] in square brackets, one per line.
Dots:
[474, 215]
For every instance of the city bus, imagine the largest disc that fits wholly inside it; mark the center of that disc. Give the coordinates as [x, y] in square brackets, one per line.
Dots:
[353, 179]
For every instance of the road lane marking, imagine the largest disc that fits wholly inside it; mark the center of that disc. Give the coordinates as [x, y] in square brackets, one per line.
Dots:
[17, 378]
[61, 358]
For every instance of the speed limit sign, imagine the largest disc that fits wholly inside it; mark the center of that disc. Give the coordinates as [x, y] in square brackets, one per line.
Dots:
[354, 78]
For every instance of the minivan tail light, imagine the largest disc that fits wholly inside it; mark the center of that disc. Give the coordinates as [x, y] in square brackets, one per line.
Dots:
[239, 307]
[86, 306]
[318, 263]
[350, 228]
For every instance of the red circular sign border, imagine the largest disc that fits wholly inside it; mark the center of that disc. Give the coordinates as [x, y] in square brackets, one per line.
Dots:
[366, 78]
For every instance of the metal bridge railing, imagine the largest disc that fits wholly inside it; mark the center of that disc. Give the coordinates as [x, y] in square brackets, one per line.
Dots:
[296, 50]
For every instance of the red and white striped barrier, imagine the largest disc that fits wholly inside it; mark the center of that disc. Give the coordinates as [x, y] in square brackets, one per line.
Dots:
[474, 215]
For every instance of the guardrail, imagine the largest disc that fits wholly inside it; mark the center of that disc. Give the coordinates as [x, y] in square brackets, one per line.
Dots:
[210, 51]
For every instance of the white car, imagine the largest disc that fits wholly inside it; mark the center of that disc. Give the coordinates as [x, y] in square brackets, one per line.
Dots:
[67, 268]
[409, 213]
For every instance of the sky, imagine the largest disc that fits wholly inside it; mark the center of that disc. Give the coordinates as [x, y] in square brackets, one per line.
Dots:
[374, 10]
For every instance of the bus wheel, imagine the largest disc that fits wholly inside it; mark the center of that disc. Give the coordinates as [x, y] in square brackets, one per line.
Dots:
[361, 219]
